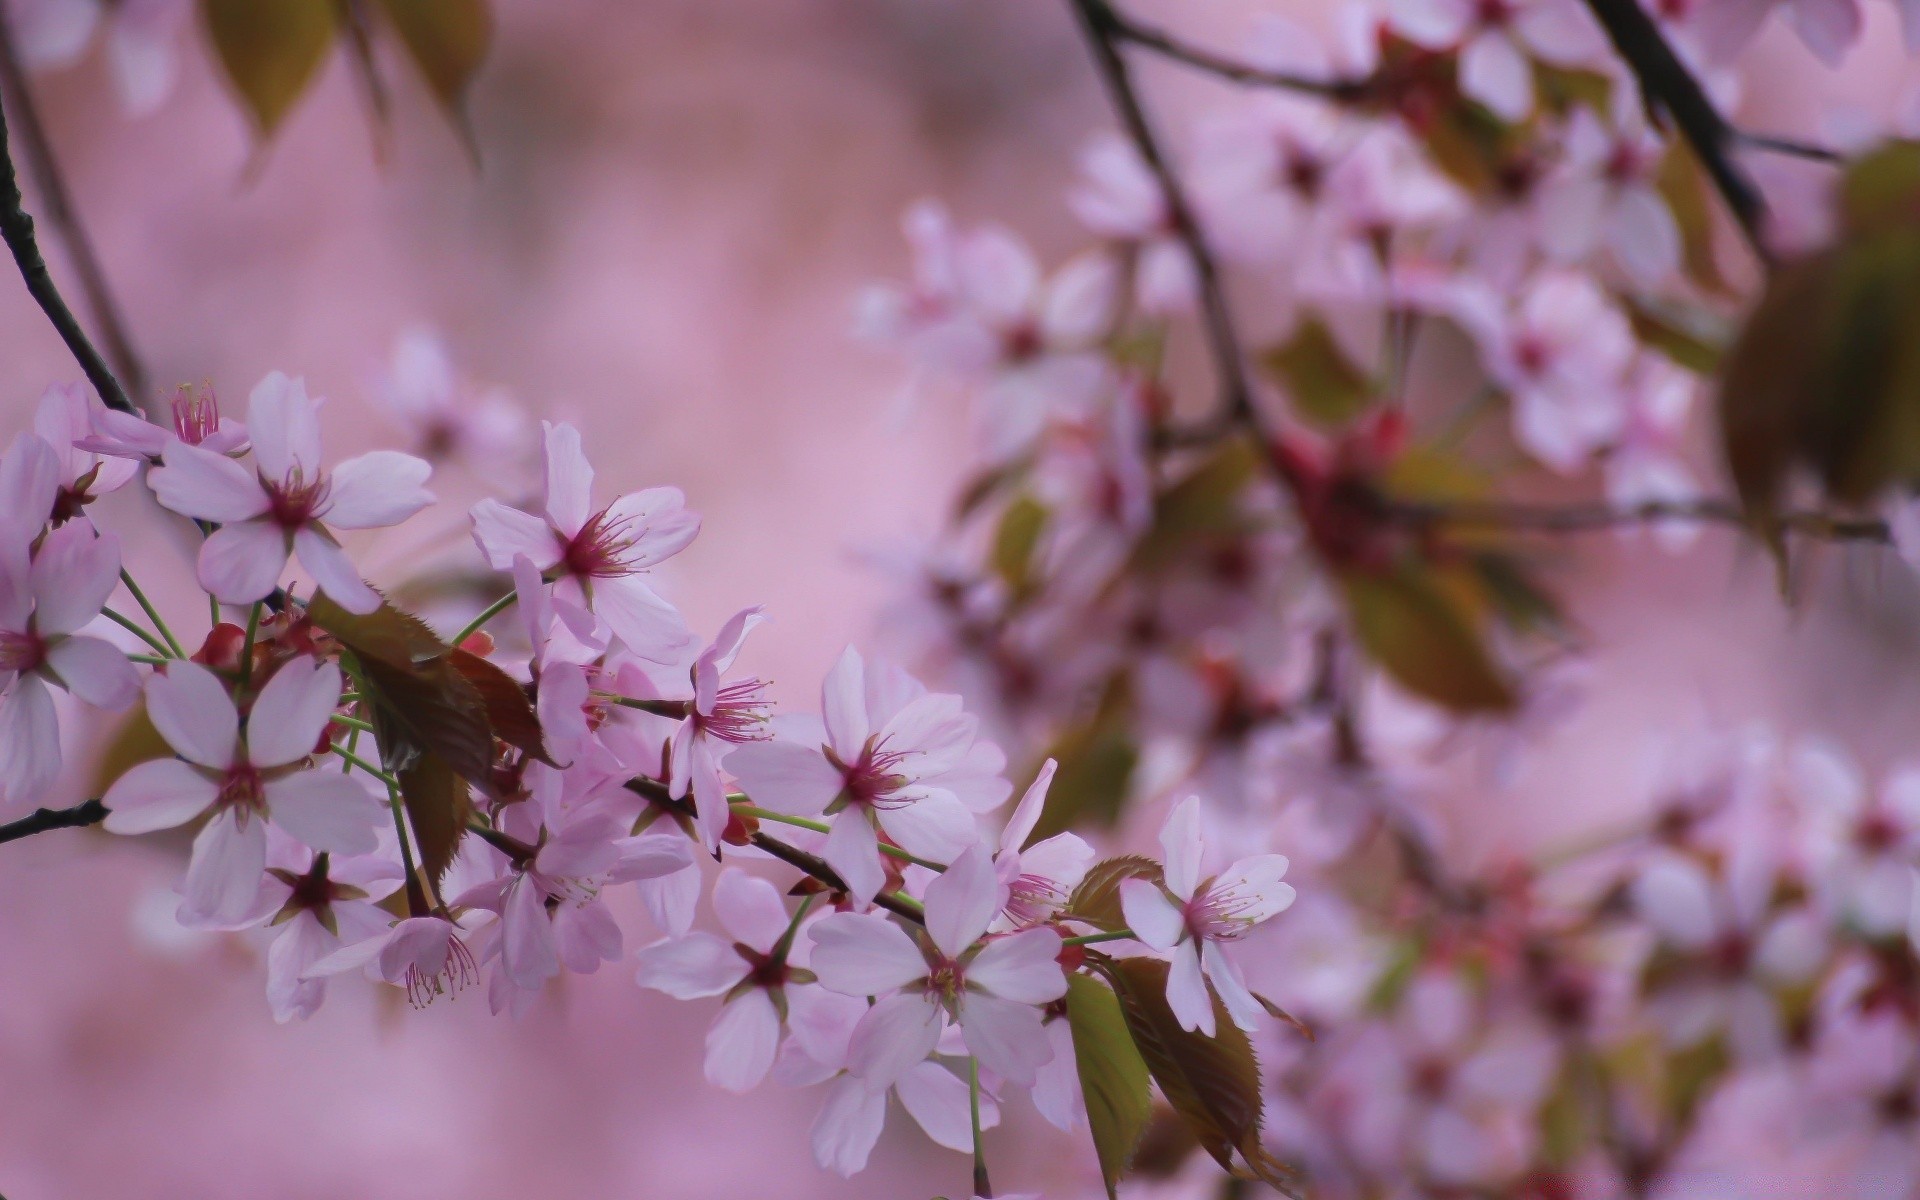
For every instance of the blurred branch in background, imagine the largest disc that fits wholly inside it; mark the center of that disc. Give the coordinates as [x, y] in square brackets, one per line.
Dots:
[65, 220]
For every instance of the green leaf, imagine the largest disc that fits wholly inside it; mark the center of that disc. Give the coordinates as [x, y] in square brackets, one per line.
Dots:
[1880, 189]
[270, 50]
[1682, 184]
[1324, 386]
[1097, 900]
[1679, 336]
[447, 40]
[1561, 88]
[1213, 1083]
[438, 805]
[1096, 759]
[1691, 1074]
[1113, 1076]
[1015, 540]
[1204, 503]
[1424, 636]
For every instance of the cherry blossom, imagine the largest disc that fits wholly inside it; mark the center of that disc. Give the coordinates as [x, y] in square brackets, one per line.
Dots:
[196, 420]
[426, 956]
[289, 504]
[1120, 198]
[317, 904]
[64, 419]
[1038, 879]
[596, 556]
[447, 420]
[1497, 40]
[990, 990]
[1202, 916]
[728, 713]
[245, 779]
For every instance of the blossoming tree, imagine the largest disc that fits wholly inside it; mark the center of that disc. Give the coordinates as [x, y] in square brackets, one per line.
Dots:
[1249, 619]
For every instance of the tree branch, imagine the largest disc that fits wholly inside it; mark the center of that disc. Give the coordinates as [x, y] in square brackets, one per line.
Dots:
[1668, 86]
[16, 229]
[1167, 46]
[1589, 518]
[92, 812]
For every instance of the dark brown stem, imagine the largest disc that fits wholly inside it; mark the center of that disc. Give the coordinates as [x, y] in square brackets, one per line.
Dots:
[61, 214]
[1167, 46]
[1590, 518]
[1669, 87]
[41, 820]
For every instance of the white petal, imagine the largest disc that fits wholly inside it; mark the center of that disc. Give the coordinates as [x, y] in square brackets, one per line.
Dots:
[241, 563]
[849, 1124]
[742, 1040]
[29, 741]
[1187, 992]
[503, 533]
[285, 426]
[784, 777]
[656, 524]
[569, 478]
[1180, 842]
[1494, 72]
[1673, 895]
[333, 571]
[1022, 967]
[377, 489]
[291, 712]
[1007, 1037]
[690, 967]
[73, 573]
[157, 795]
[749, 908]
[190, 707]
[229, 861]
[859, 954]
[853, 851]
[1255, 887]
[1232, 989]
[896, 1033]
[1153, 918]
[1027, 813]
[96, 671]
[526, 948]
[325, 809]
[941, 1104]
[935, 826]
[843, 705]
[210, 487]
[962, 901]
[650, 627]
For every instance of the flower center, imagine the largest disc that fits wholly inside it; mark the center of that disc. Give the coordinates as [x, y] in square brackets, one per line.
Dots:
[294, 502]
[740, 713]
[196, 413]
[21, 650]
[946, 979]
[873, 777]
[457, 972]
[1219, 914]
[242, 788]
[603, 547]
[1034, 898]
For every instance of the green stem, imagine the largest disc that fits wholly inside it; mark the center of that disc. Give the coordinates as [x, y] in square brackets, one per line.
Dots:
[785, 943]
[487, 614]
[127, 623]
[353, 723]
[981, 1187]
[748, 810]
[417, 904]
[149, 659]
[354, 760]
[246, 644]
[153, 614]
[213, 611]
[1117, 935]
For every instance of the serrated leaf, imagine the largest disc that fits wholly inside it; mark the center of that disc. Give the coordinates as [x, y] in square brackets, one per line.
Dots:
[1213, 1083]
[1015, 540]
[270, 50]
[510, 714]
[1113, 1076]
[447, 40]
[1322, 383]
[1426, 638]
[1097, 900]
[438, 804]
[1096, 760]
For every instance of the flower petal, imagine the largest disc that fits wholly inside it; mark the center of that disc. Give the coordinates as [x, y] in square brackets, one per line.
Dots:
[503, 533]
[378, 489]
[569, 478]
[656, 523]
[1180, 840]
[242, 562]
[690, 967]
[1153, 918]
[325, 809]
[750, 909]
[941, 1104]
[73, 573]
[1023, 967]
[285, 425]
[157, 795]
[198, 483]
[1187, 992]
[785, 777]
[742, 1040]
[849, 1124]
[1009, 1038]
[962, 901]
[291, 712]
[333, 571]
[97, 671]
[896, 1033]
[853, 850]
[650, 627]
[858, 954]
[223, 877]
[190, 707]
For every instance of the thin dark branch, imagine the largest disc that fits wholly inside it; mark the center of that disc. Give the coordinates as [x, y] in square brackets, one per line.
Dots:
[1669, 87]
[41, 820]
[1595, 517]
[16, 229]
[1792, 148]
[65, 220]
[1167, 46]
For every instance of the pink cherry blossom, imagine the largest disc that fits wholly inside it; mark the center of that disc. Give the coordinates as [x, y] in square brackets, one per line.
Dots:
[1120, 198]
[64, 419]
[895, 759]
[757, 974]
[596, 556]
[1039, 879]
[1497, 40]
[318, 904]
[1605, 192]
[447, 419]
[427, 956]
[243, 779]
[991, 990]
[195, 412]
[289, 504]
[730, 713]
[44, 602]
[1203, 916]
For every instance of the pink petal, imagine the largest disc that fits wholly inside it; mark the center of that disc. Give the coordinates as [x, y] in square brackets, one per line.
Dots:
[241, 563]
[1254, 883]
[334, 571]
[1008, 1038]
[849, 1124]
[29, 481]
[650, 856]
[657, 522]
[843, 705]
[941, 1104]
[858, 954]
[504, 533]
[962, 901]
[1023, 967]
[196, 482]
[526, 949]
[1027, 814]
[935, 826]
[750, 909]
[229, 861]
[1187, 992]
[1230, 986]
[303, 941]
[378, 489]
[726, 644]
[1494, 72]
[569, 479]
[159, 794]
[1153, 918]
[190, 707]
[96, 671]
[650, 627]
[291, 712]
[784, 777]
[1180, 841]
[670, 899]
[327, 810]
[896, 1033]
[29, 740]
[285, 425]
[1056, 1086]
[853, 851]
[73, 573]
[586, 935]
[690, 967]
[742, 1040]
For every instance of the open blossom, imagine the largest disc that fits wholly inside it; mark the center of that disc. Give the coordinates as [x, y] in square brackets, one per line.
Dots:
[289, 504]
[1039, 879]
[561, 664]
[317, 903]
[487, 430]
[759, 976]
[896, 759]
[1497, 40]
[44, 602]
[990, 990]
[1605, 193]
[1866, 842]
[1121, 198]
[424, 955]
[64, 419]
[245, 781]
[728, 713]
[1202, 916]
[196, 420]
[595, 556]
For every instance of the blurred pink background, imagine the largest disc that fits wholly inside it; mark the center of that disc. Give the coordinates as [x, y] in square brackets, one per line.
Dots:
[678, 203]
